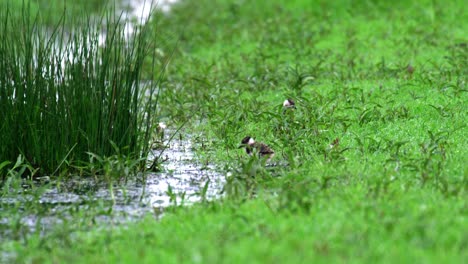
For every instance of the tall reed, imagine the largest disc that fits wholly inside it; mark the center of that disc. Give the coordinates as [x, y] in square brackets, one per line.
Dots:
[64, 94]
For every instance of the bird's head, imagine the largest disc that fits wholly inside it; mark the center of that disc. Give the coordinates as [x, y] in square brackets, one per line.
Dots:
[247, 141]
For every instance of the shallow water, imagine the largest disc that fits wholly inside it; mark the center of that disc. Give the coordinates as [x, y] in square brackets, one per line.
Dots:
[140, 10]
[80, 203]
[127, 201]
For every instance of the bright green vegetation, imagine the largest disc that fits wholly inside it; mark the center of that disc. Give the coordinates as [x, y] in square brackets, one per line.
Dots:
[54, 11]
[67, 102]
[386, 79]
[346, 226]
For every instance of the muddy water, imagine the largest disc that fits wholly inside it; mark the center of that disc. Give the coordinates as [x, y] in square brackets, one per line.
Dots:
[184, 175]
[181, 181]
[81, 203]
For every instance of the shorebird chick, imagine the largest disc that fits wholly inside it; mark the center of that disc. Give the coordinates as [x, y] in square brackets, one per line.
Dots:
[410, 70]
[289, 103]
[157, 137]
[251, 146]
[160, 130]
[335, 143]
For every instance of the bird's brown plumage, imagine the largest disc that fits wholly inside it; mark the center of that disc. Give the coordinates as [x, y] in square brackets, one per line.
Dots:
[251, 146]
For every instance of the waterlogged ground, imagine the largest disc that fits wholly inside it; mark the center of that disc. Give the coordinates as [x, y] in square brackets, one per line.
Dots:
[181, 181]
[376, 148]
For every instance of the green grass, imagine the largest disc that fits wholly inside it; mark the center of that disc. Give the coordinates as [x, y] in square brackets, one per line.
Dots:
[53, 12]
[61, 104]
[343, 225]
[394, 190]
